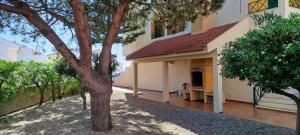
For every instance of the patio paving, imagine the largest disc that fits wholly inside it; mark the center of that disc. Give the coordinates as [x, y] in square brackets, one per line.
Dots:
[131, 115]
[231, 108]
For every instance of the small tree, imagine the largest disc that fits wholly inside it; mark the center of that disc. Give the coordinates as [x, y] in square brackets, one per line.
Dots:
[37, 76]
[65, 70]
[268, 57]
[54, 80]
[8, 86]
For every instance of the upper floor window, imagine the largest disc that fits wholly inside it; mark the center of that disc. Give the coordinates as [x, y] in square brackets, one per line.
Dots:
[259, 5]
[177, 27]
[159, 30]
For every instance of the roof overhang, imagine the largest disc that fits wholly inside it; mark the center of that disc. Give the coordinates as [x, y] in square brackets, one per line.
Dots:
[209, 49]
[180, 45]
[175, 57]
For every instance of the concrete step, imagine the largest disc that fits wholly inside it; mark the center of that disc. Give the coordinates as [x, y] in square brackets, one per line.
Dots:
[275, 96]
[278, 101]
[277, 106]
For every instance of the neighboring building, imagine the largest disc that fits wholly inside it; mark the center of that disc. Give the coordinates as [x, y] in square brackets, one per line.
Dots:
[164, 60]
[13, 51]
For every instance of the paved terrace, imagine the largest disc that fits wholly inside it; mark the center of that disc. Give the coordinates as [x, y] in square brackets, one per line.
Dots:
[131, 115]
[231, 108]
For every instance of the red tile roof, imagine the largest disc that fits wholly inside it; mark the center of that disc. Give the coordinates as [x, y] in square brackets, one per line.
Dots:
[180, 44]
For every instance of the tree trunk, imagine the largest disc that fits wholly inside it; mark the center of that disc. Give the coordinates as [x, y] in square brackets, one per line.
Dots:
[298, 119]
[41, 97]
[82, 95]
[100, 111]
[59, 88]
[1, 83]
[53, 92]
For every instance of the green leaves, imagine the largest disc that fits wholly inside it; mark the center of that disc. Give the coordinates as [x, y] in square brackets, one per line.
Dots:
[269, 56]
[8, 77]
[28, 76]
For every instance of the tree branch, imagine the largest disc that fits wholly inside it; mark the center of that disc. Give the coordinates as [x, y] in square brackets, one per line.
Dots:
[61, 18]
[292, 96]
[65, 21]
[10, 9]
[83, 33]
[33, 17]
[111, 36]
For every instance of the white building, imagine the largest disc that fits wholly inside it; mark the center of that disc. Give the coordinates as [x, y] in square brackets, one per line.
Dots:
[165, 62]
[13, 51]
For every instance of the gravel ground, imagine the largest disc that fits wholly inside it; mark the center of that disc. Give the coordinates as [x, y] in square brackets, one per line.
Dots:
[130, 115]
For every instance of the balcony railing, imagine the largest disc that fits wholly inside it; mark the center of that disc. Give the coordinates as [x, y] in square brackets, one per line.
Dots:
[260, 5]
[294, 3]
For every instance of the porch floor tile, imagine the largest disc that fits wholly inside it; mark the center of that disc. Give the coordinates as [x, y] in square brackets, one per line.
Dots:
[231, 108]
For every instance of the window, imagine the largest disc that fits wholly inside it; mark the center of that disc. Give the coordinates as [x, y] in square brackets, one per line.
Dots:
[157, 29]
[178, 27]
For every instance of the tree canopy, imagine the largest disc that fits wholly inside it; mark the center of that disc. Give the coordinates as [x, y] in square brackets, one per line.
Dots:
[8, 79]
[267, 56]
[90, 22]
[58, 14]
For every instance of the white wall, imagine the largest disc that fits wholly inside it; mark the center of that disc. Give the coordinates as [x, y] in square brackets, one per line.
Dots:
[12, 51]
[290, 9]
[26, 54]
[179, 73]
[125, 78]
[150, 76]
[232, 11]
[236, 90]
[4, 45]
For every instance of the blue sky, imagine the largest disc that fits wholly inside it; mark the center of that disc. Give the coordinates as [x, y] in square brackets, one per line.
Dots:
[48, 47]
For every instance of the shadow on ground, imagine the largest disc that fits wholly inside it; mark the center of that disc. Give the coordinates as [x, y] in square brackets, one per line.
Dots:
[130, 115]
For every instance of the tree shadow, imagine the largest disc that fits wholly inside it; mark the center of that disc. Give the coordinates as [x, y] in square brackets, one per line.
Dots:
[67, 117]
[130, 115]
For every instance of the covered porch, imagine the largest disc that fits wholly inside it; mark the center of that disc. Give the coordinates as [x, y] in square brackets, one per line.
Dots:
[190, 59]
[199, 72]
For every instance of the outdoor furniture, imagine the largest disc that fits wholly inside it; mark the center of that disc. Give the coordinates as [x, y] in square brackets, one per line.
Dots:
[185, 91]
[210, 98]
[192, 93]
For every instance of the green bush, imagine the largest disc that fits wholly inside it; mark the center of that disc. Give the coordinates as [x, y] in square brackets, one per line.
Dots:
[33, 77]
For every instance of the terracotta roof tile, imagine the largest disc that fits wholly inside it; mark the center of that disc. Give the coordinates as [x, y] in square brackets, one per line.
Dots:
[180, 44]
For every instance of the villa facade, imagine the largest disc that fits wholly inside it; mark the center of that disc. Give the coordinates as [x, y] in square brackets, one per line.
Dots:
[163, 60]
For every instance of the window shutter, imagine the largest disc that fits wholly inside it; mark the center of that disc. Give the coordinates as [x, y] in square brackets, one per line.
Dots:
[272, 3]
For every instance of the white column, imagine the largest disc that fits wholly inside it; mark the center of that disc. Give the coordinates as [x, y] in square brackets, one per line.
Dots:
[12, 54]
[135, 78]
[218, 93]
[283, 6]
[165, 81]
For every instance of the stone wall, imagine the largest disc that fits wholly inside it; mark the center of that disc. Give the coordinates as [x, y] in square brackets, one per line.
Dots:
[22, 100]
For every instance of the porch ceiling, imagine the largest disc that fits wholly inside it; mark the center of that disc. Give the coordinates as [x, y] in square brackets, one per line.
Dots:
[187, 43]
